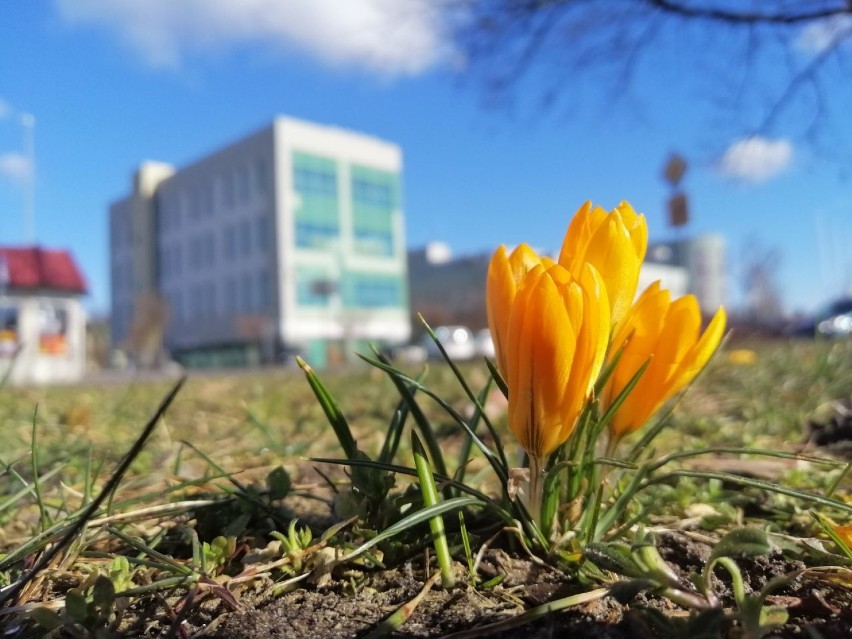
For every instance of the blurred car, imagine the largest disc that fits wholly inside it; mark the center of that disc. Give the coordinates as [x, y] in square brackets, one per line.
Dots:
[835, 320]
[458, 341]
[832, 320]
[484, 344]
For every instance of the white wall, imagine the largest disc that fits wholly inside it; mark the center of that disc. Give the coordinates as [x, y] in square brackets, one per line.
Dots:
[31, 365]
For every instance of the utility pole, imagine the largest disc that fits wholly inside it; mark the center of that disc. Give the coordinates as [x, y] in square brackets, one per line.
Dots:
[28, 125]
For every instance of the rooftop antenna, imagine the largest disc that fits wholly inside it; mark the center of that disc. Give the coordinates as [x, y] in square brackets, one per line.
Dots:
[28, 125]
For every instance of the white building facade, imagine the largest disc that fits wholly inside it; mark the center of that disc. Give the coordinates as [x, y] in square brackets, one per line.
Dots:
[291, 240]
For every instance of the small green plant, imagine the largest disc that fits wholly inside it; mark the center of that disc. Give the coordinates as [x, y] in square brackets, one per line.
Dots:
[645, 569]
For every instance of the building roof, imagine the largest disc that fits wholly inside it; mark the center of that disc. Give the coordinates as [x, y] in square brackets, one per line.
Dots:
[38, 268]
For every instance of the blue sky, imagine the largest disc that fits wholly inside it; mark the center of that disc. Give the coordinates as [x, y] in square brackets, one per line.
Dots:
[114, 82]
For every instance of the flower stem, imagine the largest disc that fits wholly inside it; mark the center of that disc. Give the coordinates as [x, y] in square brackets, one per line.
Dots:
[536, 488]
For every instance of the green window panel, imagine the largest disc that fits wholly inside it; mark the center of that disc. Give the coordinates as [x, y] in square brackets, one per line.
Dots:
[375, 198]
[314, 287]
[363, 290]
[318, 213]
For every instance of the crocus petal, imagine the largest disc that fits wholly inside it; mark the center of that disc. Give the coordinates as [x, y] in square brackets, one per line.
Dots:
[667, 336]
[505, 273]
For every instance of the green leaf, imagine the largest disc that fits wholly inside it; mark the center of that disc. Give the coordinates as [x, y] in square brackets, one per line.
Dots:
[279, 484]
[616, 557]
[331, 409]
[742, 542]
[771, 616]
[76, 606]
[103, 593]
[46, 618]
[415, 519]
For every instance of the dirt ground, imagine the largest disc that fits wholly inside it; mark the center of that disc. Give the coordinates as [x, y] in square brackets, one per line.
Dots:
[354, 605]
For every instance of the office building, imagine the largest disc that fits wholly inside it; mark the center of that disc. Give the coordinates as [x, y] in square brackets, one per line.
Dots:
[290, 240]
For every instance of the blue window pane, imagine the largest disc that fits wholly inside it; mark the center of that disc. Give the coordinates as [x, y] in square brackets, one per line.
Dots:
[373, 242]
[314, 235]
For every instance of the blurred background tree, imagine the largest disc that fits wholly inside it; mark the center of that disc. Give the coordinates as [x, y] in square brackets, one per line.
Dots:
[761, 66]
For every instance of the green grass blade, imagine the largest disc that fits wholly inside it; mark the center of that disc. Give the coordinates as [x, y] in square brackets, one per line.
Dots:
[467, 445]
[331, 409]
[417, 413]
[429, 491]
[44, 519]
[415, 519]
[73, 529]
[498, 444]
[500, 468]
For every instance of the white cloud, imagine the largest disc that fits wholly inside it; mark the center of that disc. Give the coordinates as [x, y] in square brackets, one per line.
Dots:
[820, 36]
[14, 166]
[393, 37]
[756, 159]
[5, 109]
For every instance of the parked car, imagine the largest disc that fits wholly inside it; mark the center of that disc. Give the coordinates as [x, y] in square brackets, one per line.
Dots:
[458, 341]
[832, 320]
[484, 344]
[835, 320]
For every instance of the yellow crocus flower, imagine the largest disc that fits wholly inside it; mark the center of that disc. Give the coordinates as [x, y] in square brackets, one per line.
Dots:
[555, 344]
[667, 335]
[506, 271]
[614, 243]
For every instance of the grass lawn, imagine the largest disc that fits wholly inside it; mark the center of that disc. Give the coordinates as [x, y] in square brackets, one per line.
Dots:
[224, 436]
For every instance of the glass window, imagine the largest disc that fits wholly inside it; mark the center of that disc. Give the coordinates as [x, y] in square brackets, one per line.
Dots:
[375, 199]
[317, 214]
[246, 293]
[176, 260]
[264, 230]
[314, 287]
[52, 329]
[8, 330]
[227, 182]
[211, 302]
[210, 249]
[243, 183]
[264, 290]
[364, 290]
[229, 242]
[245, 237]
[231, 298]
[260, 176]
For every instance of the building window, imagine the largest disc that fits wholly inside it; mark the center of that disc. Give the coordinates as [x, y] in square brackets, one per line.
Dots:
[317, 213]
[211, 304]
[176, 260]
[260, 176]
[314, 287]
[246, 301]
[229, 242]
[231, 298]
[264, 230]
[245, 237]
[210, 249]
[196, 257]
[364, 290]
[375, 199]
[227, 181]
[8, 330]
[177, 307]
[243, 188]
[264, 290]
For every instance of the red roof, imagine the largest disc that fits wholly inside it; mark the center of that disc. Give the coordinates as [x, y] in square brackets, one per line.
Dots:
[38, 268]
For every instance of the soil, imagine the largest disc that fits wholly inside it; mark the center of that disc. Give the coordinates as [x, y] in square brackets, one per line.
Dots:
[354, 604]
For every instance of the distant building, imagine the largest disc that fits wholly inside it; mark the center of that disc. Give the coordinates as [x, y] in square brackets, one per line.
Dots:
[451, 290]
[42, 321]
[446, 289]
[289, 240]
[703, 258]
